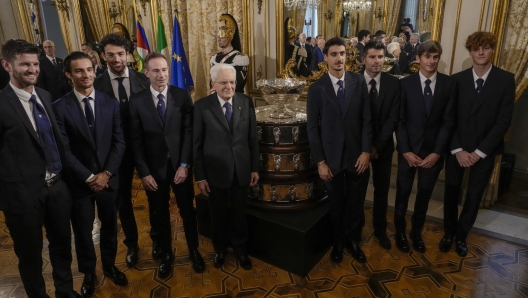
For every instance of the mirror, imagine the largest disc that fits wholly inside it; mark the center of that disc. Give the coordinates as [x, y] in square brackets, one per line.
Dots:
[345, 18]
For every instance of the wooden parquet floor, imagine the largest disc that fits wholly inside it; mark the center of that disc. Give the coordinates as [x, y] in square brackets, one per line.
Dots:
[493, 268]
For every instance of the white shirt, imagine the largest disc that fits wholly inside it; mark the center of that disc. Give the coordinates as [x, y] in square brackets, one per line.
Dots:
[24, 97]
[377, 79]
[335, 80]
[81, 97]
[51, 59]
[475, 78]
[115, 83]
[222, 102]
[432, 84]
[155, 95]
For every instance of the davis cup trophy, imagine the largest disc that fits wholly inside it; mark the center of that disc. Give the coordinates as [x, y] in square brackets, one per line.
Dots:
[289, 180]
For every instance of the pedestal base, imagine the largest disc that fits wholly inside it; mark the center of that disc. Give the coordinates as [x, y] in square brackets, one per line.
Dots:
[293, 241]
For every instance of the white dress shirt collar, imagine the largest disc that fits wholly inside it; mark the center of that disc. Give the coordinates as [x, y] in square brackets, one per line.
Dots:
[23, 94]
[80, 97]
[368, 79]
[484, 77]
[335, 80]
[114, 76]
[222, 102]
[155, 92]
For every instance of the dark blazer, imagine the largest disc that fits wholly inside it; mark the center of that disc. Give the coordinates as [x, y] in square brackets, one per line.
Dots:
[329, 129]
[152, 140]
[309, 52]
[4, 77]
[360, 47]
[482, 123]
[84, 155]
[407, 48]
[52, 79]
[22, 162]
[403, 62]
[218, 152]
[138, 82]
[418, 132]
[317, 56]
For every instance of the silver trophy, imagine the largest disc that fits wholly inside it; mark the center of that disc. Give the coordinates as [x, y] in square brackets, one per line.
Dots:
[280, 93]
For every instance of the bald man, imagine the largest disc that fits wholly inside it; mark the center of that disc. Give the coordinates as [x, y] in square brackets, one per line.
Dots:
[51, 77]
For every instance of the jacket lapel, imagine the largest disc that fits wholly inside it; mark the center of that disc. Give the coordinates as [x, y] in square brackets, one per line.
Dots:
[151, 107]
[418, 94]
[170, 106]
[485, 92]
[440, 82]
[350, 87]
[382, 92]
[17, 105]
[77, 113]
[107, 84]
[100, 110]
[217, 110]
[330, 93]
[237, 107]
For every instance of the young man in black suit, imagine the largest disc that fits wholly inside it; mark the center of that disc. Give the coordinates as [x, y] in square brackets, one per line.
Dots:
[32, 166]
[424, 129]
[363, 37]
[226, 161]
[384, 96]
[340, 135]
[161, 122]
[120, 82]
[91, 128]
[51, 77]
[484, 111]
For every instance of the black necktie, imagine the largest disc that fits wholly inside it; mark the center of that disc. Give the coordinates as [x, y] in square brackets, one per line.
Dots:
[47, 139]
[161, 107]
[480, 82]
[373, 99]
[88, 112]
[54, 62]
[428, 97]
[341, 94]
[123, 97]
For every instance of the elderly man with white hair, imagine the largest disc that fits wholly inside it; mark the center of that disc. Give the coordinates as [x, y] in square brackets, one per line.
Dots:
[394, 51]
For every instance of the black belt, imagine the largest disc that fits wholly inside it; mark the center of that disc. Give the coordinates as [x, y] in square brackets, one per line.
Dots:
[51, 181]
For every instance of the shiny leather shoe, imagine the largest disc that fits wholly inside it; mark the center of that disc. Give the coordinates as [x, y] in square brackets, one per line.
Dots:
[118, 277]
[70, 294]
[383, 240]
[445, 244]
[165, 267]
[156, 250]
[88, 285]
[461, 248]
[197, 261]
[417, 242]
[132, 258]
[336, 256]
[244, 262]
[401, 241]
[356, 252]
[219, 260]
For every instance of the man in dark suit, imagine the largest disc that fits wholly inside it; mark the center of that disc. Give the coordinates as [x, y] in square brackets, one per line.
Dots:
[485, 105]
[424, 129]
[226, 161]
[32, 161]
[120, 82]
[161, 125]
[51, 77]
[340, 135]
[301, 42]
[384, 96]
[317, 54]
[411, 47]
[363, 37]
[91, 129]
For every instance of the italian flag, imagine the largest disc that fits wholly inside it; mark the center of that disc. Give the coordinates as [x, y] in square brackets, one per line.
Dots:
[161, 45]
[142, 48]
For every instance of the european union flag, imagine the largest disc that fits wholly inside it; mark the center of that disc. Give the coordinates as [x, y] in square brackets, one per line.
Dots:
[180, 72]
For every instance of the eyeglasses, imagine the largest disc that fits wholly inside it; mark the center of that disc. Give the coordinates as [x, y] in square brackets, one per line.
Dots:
[224, 83]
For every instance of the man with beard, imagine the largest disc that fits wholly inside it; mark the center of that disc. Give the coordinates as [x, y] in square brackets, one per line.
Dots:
[91, 129]
[51, 77]
[32, 165]
[340, 135]
[120, 82]
[228, 39]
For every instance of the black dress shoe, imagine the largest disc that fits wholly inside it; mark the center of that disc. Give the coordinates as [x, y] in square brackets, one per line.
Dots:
[118, 277]
[219, 260]
[88, 285]
[445, 244]
[356, 252]
[245, 262]
[384, 241]
[132, 256]
[70, 294]
[197, 261]
[417, 241]
[156, 250]
[165, 266]
[461, 248]
[401, 241]
[336, 256]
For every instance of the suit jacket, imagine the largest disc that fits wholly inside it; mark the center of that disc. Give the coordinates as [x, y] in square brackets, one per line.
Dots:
[330, 129]
[52, 79]
[309, 51]
[385, 117]
[218, 151]
[403, 62]
[22, 161]
[317, 56]
[4, 77]
[360, 47]
[483, 122]
[138, 83]
[86, 155]
[407, 48]
[418, 132]
[153, 139]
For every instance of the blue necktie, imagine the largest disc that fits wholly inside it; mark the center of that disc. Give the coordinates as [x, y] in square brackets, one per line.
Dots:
[88, 112]
[428, 97]
[480, 82]
[340, 94]
[123, 97]
[47, 139]
[161, 107]
[228, 112]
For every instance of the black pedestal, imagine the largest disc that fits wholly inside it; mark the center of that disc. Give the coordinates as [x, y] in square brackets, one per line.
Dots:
[293, 241]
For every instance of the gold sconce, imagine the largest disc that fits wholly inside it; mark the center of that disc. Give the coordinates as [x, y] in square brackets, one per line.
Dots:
[144, 6]
[61, 5]
[114, 11]
[378, 14]
[329, 15]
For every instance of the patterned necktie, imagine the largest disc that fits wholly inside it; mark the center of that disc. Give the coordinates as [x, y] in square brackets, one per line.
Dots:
[88, 112]
[161, 107]
[123, 97]
[428, 97]
[228, 112]
[373, 95]
[341, 94]
[47, 139]
[480, 82]
[54, 62]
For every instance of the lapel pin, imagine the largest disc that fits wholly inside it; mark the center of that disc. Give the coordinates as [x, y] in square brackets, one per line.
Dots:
[240, 108]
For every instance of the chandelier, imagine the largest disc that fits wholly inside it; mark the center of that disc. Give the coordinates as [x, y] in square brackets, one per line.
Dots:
[301, 4]
[356, 6]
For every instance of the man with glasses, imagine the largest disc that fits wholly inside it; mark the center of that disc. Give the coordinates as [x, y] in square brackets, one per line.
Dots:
[51, 77]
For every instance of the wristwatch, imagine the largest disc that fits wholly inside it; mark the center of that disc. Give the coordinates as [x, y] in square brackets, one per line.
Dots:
[187, 166]
[109, 174]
